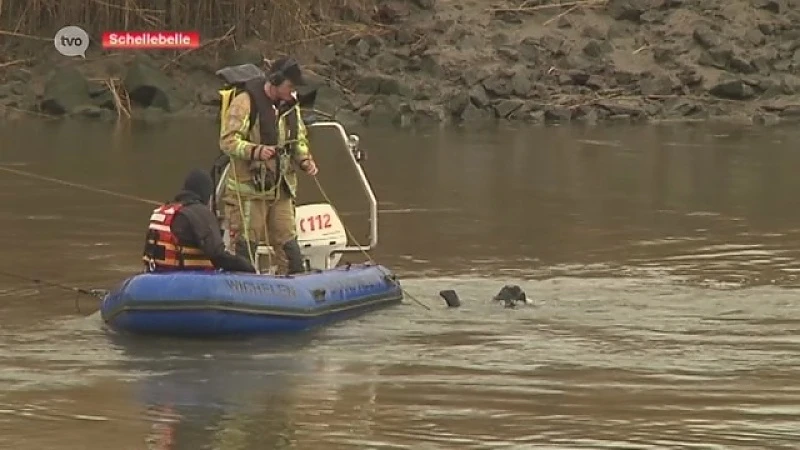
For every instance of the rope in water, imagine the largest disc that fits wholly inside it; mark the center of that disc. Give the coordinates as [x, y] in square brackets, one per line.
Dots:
[91, 292]
[361, 248]
[151, 201]
[97, 293]
[79, 186]
[85, 187]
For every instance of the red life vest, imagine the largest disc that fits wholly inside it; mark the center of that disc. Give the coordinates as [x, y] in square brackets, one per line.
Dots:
[162, 249]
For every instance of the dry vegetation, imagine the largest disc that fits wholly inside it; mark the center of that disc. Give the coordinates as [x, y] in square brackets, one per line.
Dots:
[280, 22]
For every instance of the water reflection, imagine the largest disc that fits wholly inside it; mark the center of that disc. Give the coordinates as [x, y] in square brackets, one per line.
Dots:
[234, 395]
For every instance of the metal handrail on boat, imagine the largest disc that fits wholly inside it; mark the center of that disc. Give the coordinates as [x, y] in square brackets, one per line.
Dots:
[354, 153]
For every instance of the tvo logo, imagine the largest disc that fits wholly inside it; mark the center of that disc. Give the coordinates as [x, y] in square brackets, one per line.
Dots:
[72, 41]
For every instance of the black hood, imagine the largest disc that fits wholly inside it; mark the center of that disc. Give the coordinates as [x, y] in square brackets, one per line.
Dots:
[197, 186]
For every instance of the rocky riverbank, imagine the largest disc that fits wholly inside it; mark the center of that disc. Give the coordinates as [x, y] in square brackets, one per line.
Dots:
[454, 61]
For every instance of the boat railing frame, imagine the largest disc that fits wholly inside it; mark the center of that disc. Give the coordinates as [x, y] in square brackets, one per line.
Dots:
[356, 156]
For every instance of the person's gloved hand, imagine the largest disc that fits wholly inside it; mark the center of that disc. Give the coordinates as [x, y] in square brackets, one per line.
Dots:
[309, 167]
[264, 152]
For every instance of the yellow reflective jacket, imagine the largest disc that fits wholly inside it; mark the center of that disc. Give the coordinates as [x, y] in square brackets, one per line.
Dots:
[238, 139]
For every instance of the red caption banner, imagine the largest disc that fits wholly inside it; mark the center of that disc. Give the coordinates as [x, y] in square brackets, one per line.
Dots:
[166, 40]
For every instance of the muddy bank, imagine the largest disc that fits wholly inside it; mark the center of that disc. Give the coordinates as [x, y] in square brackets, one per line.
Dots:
[448, 61]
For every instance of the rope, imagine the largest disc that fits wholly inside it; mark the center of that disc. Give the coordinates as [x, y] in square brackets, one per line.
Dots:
[79, 186]
[141, 199]
[156, 203]
[245, 223]
[361, 248]
[91, 292]
[97, 293]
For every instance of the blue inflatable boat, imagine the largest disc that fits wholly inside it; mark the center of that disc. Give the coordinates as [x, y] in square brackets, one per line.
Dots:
[219, 304]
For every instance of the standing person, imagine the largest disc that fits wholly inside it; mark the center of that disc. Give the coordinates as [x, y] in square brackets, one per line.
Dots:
[265, 138]
[184, 234]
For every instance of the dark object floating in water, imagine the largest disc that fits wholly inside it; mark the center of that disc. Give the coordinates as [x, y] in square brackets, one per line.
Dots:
[510, 295]
[451, 298]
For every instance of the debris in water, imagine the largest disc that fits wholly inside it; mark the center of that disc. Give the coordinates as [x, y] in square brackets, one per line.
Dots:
[451, 297]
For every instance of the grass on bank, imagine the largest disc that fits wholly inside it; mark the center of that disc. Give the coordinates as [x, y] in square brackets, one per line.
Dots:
[280, 23]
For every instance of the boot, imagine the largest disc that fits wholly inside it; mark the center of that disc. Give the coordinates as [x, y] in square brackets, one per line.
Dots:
[241, 249]
[294, 257]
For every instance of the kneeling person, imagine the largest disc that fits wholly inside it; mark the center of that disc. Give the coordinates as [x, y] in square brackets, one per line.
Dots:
[185, 235]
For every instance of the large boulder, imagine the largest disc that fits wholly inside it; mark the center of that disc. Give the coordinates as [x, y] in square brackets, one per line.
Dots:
[384, 110]
[148, 87]
[732, 89]
[65, 91]
[506, 108]
[244, 56]
[330, 100]
[102, 97]
[631, 10]
[425, 4]
[472, 114]
[379, 84]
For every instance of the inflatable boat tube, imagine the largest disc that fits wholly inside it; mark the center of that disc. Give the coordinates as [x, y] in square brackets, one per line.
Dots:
[220, 304]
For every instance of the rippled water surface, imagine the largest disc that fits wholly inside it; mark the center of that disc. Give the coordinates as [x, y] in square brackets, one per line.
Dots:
[662, 262]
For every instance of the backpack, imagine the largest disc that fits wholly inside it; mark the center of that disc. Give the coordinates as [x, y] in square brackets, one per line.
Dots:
[235, 78]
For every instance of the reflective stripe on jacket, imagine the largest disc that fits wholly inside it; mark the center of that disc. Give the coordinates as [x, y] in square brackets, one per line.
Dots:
[283, 128]
[162, 249]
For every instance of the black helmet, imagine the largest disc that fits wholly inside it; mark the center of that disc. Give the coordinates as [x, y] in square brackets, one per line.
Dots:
[286, 69]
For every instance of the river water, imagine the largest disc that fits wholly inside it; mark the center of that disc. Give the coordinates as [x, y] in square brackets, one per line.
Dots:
[662, 261]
